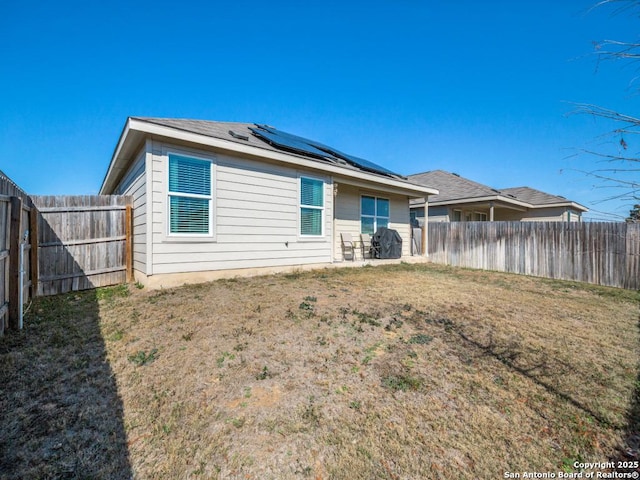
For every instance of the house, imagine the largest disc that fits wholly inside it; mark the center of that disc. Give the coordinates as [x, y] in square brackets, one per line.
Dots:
[463, 200]
[215, 199]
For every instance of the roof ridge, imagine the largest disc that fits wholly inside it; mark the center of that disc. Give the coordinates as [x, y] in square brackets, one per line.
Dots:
[422, 173]
[177, 119]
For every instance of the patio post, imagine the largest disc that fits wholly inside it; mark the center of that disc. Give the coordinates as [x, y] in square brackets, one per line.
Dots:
[425, 250]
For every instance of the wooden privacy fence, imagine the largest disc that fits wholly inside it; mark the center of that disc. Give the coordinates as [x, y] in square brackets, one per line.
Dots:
[83, 242]
[17, 217]
[68, 243]
[599, 253]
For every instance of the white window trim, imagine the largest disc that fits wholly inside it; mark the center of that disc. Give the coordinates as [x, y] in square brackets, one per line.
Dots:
[375, 216]
[189, 237]
[301, 206]
[454, 214]
[486, 217]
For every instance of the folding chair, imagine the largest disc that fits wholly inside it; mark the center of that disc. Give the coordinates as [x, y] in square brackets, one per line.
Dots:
[368, 248]
[348, 249]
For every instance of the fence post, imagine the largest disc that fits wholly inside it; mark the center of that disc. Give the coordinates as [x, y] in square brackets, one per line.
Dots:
[425, 235]
[33, 254]
[15, 229]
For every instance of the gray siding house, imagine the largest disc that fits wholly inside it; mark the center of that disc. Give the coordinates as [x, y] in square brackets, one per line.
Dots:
[214, 199]
[463, 200]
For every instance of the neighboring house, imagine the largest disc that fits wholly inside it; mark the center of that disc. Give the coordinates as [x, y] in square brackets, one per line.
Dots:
[461, 200]
[241, 198]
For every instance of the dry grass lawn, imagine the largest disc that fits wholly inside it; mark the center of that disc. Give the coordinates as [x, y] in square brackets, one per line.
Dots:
[395, 372]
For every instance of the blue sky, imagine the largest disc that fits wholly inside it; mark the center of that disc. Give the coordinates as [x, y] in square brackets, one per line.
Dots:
[482, 89]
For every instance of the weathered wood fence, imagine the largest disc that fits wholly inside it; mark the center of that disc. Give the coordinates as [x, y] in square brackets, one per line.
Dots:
[598, 253]
[68, 243]
[17, 217]
[83, 242]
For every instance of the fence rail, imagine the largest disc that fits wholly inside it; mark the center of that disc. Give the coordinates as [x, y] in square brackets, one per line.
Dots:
[599, 253]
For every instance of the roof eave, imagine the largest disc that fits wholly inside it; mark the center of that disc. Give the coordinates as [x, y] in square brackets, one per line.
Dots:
[116, 152]
[491, 198]
[573, 205]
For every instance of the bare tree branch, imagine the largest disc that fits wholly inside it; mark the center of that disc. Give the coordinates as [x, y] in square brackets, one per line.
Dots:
[625, 176]
[602, 112]
[618, 182]
[606, 158]
[618, 50]
[626, 5]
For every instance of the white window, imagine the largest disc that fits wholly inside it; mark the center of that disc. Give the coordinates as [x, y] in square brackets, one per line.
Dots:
[374, 213]
[457, 216]
[190, 196]
[311, 207]
[480, 217]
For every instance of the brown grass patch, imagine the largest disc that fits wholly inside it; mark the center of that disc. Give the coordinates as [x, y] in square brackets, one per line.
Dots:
[391, 372]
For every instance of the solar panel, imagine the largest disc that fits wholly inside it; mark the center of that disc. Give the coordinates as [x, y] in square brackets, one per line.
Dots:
[328, 152]
[367, 165]
[293, 137]
[304, 146]
[288, 142]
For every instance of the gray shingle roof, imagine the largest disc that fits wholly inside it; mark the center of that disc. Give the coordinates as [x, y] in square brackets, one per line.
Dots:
[212, 129]
[452, 186]
[533, 196]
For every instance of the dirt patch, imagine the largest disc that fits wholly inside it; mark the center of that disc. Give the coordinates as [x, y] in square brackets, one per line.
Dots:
[257, 398]
[398, 372]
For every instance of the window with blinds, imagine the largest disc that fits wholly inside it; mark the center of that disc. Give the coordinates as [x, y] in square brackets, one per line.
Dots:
[190, 195]
[311, 206]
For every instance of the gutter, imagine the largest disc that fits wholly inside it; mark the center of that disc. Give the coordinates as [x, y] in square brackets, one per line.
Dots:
[492, 198]
[574, 205]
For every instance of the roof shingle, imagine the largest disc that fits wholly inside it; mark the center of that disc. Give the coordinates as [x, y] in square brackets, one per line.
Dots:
[533, 196]
[452, 186]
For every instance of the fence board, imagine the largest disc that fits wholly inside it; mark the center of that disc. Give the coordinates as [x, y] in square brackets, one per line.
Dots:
[81, 242]
[14, 267]
[33, 254]
[599, 253]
